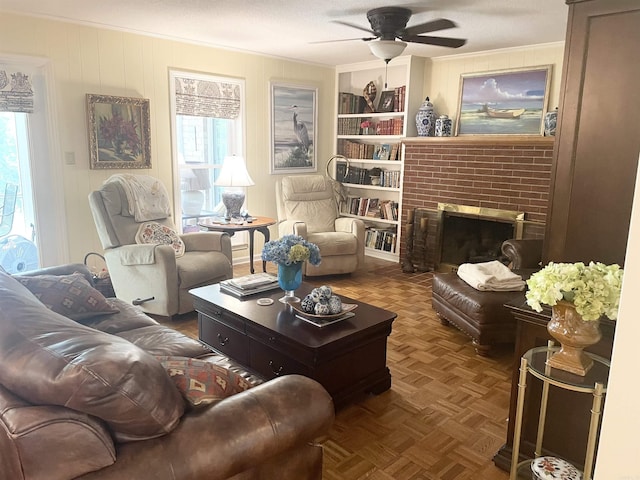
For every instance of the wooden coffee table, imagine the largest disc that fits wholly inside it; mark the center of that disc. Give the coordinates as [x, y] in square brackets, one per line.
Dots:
[348, 357]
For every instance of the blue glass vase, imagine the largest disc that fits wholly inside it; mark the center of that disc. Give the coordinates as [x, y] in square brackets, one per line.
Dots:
[289, 279]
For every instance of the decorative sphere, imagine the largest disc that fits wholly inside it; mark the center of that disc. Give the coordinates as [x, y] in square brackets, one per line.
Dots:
[308, 305]
[325, 292]
[316, 295]
[322, 308]
[335, 304]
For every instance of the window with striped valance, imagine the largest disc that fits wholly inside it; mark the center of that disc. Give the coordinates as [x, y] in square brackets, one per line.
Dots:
[204, 98]
[16, 91]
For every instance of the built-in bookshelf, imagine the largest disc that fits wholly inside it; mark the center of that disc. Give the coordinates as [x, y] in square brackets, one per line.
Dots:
[371, 142]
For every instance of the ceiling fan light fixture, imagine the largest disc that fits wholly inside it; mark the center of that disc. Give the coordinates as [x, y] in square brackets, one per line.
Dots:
[386, 49]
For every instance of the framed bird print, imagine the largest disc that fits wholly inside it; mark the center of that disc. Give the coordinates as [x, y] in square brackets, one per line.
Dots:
[293, 128]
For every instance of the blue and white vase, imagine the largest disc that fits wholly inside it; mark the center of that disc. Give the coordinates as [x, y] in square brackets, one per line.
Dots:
[426, 119]
[443, 126]
[550, 121]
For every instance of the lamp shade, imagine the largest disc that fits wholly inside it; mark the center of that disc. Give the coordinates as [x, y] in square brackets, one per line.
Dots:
[386, 49]
[234, 173]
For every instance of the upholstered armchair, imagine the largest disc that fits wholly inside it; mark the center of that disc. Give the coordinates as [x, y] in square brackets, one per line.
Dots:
[142, 269]
[307, 206]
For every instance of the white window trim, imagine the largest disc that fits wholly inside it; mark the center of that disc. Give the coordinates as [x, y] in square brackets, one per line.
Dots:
[45, 163]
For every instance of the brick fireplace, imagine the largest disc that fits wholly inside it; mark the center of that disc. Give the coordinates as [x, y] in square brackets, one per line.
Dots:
[494, 172]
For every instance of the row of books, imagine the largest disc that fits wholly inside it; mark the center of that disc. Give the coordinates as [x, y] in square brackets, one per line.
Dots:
[367, 151]
[371, 207]
[353, 126]
[352, 103]
[392, 126]
[390, 178]
[381, 239]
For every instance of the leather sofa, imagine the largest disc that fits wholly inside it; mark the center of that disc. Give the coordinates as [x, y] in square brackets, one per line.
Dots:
[481, 314]
[89, 398]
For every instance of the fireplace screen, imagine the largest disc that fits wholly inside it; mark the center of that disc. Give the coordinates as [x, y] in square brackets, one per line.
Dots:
[474, 234]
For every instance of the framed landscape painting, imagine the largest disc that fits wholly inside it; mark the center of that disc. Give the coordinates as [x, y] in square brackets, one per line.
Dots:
[119, 132]
[293, 128]
[504, 102]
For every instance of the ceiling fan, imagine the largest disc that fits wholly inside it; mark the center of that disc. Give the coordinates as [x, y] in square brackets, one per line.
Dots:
[390, 23]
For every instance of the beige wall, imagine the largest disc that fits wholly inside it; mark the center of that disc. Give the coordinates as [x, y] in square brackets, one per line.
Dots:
[107, 62]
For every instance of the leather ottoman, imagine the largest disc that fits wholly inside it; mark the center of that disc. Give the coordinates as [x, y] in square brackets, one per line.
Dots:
[481, 315]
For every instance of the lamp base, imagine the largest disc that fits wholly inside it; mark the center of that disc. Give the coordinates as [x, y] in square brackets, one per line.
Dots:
[233, 202]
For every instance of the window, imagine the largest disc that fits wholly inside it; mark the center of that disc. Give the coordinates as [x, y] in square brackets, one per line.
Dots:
[208, 125]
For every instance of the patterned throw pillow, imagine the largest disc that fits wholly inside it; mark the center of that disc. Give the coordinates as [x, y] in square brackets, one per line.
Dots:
[156, 233]
[69, 295]
[202, 383]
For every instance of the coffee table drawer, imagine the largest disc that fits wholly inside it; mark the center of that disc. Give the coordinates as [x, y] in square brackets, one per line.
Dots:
[270, 363]
[223, 338]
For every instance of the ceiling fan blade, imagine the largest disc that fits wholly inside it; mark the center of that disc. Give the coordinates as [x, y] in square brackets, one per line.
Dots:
[366, 39]
[355, 26]
[432, 26]
[439, 41]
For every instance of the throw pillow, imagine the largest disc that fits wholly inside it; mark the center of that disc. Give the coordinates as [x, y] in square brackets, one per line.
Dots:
[202, 383]
[156, 233]
[69, 295]
[48, 359]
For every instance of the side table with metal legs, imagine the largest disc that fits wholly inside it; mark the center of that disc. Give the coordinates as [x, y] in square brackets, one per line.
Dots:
[595, 383]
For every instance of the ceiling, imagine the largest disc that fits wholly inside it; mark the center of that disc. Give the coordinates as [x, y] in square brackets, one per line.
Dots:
[285, 28]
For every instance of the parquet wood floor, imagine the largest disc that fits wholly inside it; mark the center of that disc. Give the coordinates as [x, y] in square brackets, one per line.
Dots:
[445, 415]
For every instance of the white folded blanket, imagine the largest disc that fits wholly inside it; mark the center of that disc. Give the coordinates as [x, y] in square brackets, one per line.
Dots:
[490, 276]
[147, 197]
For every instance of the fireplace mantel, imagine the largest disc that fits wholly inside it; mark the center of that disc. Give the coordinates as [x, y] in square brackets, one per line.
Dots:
[509, 172]
[481, 139]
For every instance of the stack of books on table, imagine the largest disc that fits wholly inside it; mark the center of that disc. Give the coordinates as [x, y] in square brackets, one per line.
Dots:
[249, 284]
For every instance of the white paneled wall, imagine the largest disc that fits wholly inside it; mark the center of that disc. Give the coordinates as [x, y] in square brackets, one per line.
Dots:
[110, 62]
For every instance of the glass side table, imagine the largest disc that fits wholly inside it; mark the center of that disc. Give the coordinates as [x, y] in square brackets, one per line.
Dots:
[595, 383]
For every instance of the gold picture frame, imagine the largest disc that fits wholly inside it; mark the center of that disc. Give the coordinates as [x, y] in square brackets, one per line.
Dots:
[503, 102]
[119, 132]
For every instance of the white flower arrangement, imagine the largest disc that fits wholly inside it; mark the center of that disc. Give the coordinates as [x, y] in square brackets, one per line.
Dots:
[593, 289]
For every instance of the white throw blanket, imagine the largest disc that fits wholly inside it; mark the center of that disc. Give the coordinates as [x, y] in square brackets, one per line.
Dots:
[147, 197]
[490, 276]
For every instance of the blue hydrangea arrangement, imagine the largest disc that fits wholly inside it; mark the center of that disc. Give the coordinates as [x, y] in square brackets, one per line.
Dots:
[291, 249]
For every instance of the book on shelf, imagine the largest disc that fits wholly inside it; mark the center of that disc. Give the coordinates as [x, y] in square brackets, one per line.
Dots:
[383, 239]
[253, 281]
[227, 287]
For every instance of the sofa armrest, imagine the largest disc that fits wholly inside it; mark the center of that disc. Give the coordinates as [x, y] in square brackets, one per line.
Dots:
[144, 271]
[350, 225]
[232, 436]
[292, 227]
[523, 254]
[49, 441]
[66, 269]
[207, 242]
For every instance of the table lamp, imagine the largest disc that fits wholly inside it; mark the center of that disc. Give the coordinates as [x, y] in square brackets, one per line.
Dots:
[233, 175]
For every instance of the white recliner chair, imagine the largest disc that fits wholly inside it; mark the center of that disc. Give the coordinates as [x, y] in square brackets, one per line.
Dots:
[154, 271]
[307, 207]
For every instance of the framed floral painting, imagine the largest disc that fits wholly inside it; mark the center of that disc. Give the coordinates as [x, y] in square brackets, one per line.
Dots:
[119, 131]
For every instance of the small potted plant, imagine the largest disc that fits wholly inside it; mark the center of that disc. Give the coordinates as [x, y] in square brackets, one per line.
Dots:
[374, 174]
[366, 127]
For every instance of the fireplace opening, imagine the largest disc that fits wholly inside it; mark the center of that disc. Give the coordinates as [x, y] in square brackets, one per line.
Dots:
[473, 234]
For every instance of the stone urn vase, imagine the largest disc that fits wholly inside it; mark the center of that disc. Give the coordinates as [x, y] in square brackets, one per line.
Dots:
[574, 334]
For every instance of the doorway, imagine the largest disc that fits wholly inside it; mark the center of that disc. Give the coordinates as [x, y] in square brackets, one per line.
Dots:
[18, 250]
